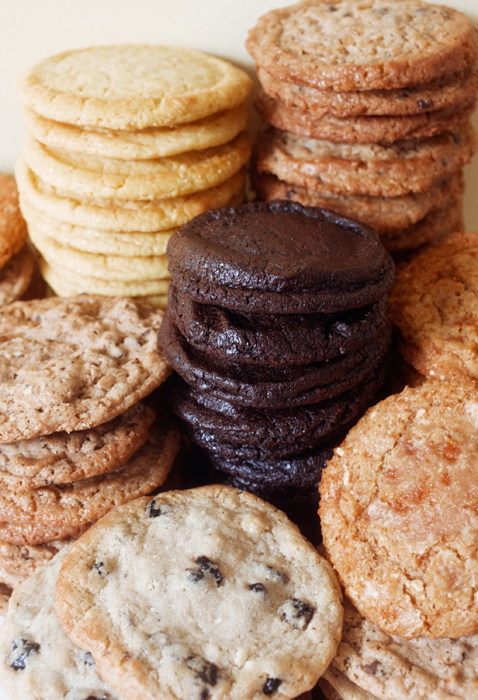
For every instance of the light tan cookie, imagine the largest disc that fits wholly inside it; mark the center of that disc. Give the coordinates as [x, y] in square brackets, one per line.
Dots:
[391, 44]
[37, 660]
[211, 131]
[13, 231]
[336, 686]
[17, 562]
[434, 304]
[398, 511]
[70, 364]
[363, 129]
[16, 275]
[266, 608]
[392, 668]
[83, 176]
[83, 502]
[371, 169]
[62, 458]
[139, 86]
[385, 214]
[132, 216]
[450, 90]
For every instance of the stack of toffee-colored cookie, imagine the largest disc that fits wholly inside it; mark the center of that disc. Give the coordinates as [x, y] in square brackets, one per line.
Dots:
[75, 437]
[277, 326]
[370, 107]
[116, 158]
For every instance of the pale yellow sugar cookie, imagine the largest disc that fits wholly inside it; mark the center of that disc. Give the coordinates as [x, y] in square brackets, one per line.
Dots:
[133, 86]
[211, 131]
[76, 174]
[132, 216]
[67, 283]
[13, 230]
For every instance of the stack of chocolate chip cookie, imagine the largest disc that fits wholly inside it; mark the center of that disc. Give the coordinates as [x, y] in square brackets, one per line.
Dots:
[126, 143]
[75, 438]
[369, 105]
[277, 328]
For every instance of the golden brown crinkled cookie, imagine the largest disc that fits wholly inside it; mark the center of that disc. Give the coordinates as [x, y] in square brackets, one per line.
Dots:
[138, 86]
[266, 608]
[16, 275]
[399, 511]
[18, 562]
[390, 43]
[13, 230]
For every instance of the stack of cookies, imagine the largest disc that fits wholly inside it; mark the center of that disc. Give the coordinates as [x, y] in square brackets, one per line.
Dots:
[125, 143]
[369, 105]
[115, 616]
[16, 261]
[277, 327]
[75, 437]
[400, 525]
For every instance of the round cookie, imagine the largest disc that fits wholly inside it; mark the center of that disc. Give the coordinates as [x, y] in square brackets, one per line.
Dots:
[70, 364]
[233, 558]
[398, 511]
[269, 386]
[262, 339]
[16, 275]
[73, 505]
[373, 169]
[248, 259]
[139, 86]
[86, 177]
[450, 90]
[63, 458]
[363, 129]
[434, 305]
[17, 562]
[13, 231]
[112, 215]
[394, 44]
[36, 657]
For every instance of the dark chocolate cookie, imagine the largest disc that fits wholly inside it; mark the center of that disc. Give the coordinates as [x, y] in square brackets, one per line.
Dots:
[269, 387]
[279, 257]
[265, 434]
[265, 339]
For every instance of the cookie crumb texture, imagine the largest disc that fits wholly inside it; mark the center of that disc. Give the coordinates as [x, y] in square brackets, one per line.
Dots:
[70, 364]
[399, 512]
[208, 593]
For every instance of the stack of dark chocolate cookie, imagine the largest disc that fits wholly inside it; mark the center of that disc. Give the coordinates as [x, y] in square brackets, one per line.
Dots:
[277, 328]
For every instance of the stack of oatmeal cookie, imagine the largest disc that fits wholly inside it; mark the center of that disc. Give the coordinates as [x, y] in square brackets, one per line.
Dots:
[369, 105]
[125, 143]
[75, 438]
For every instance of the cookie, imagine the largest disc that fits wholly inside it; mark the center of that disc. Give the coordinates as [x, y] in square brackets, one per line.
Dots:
[437, 335]
[83, 502]
[233, 431]
[70, 364]
[336, 686]
[397, 511]
[363, 129]
[211, 131]
[269, 386]
[13, 231]
[17, 562]
[87, 177]
[373, 169]
[139, 86]
[384, 214]
[63, 458]
[390, 668]
[235, 559]
[16, 275]
[37, 658]
[112, 215]
[395, 45]
[335, 263]
[450, 90]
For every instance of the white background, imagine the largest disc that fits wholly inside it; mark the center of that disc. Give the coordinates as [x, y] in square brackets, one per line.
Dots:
[33, 29]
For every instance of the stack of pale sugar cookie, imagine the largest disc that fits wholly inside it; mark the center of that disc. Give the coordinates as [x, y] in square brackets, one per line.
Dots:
[16, 260]
[370, 107]
[126, 143]
[75, 437]
[208, 593]
[400, 526]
